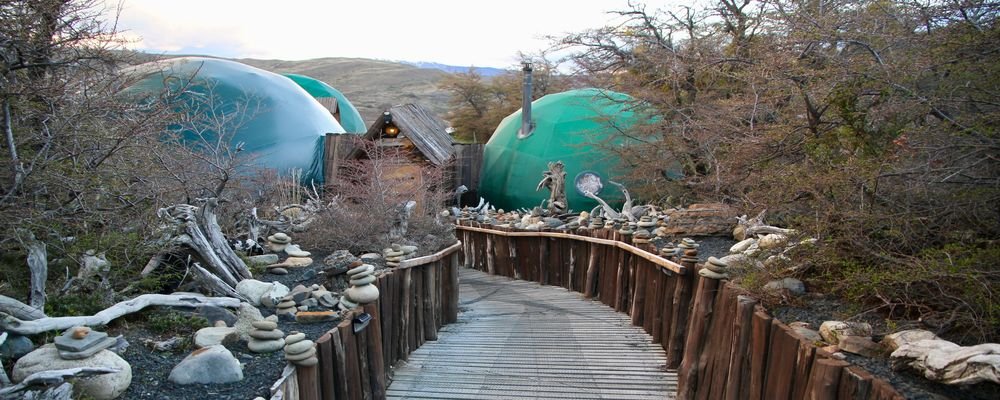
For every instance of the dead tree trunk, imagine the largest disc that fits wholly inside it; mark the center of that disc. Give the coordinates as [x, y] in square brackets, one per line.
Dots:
[199, 230]
[38, 264]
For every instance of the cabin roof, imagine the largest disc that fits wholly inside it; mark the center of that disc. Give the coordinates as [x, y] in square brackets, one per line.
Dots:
[426, 131]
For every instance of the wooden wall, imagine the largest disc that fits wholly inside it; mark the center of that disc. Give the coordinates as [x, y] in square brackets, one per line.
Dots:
[416, 299]
[724, 345]
[466, 169]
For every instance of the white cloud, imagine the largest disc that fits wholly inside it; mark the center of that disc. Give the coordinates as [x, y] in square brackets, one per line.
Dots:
[448, 31]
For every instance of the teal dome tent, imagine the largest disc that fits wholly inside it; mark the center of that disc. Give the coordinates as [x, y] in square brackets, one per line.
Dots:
[283, 129]
[577, 127]
[350, 118]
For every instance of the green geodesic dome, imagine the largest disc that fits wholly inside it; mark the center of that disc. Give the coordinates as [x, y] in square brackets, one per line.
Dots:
[577, 127]
[285, 132]
[350, 118]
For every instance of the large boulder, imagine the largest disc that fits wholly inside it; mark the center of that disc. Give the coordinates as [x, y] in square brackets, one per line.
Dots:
[949, 363]
[208, 365]
[833, 331]
[211, 336]
[704, 219]
[100, 387]
[254, 290]
[892, 341]
[245, 317]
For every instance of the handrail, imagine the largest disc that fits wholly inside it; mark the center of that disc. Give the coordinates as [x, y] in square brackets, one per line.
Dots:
[413, 262]
[654, 258]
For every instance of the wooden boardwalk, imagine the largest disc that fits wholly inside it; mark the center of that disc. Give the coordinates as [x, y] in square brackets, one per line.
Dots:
[521, 340]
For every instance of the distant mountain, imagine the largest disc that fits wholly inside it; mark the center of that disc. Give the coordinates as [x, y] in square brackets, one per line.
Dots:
[371, 85]
[483, 71]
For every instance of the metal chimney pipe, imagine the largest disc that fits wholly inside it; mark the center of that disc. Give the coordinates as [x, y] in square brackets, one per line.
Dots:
[526, 125]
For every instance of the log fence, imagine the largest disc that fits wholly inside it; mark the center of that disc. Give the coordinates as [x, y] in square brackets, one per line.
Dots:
[416, 299]
[723, 344]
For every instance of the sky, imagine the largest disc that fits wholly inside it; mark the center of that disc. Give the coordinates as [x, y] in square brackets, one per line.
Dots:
[454, 32]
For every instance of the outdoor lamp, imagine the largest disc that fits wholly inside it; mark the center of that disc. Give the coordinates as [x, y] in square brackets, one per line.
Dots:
[361, 321]
[388, 128]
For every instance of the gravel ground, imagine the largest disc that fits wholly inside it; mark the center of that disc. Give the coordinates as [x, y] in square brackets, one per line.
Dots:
[150, 368]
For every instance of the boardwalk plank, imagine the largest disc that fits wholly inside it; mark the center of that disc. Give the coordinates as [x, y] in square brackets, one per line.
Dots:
[518, 339]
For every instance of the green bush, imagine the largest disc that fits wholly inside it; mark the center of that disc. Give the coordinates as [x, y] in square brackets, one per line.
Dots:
[174, 322]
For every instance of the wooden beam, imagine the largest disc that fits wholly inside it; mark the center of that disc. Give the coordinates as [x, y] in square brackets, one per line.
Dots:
[656, 259]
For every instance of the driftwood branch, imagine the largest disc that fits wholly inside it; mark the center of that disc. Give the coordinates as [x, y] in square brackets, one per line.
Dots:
[213, 283]
[4, 380]
[21, 327]
[53, 377]
[18, 309]
[62, 392]
[756, 226]
[609, 212]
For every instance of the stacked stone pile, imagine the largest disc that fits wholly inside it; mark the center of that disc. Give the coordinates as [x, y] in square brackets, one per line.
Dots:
[80, 347]
[265, 337]
[361, 291]
[299, 350]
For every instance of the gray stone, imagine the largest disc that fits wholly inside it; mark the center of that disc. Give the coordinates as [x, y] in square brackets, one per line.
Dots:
[265, 346]
[265, 325]
[253, 290]
[298, 347]
[266, 335]
[295, 337]
[213, 314]
[101, 387]
[370, 257]
[277, 271]
[794, 286]
[209, 365]
[89, 351]
[264, 259]
[300, 293]
[367, 279]
[309, 274]
[16, 346]
[245, 317]
[295, 251]
[86, 339]
[712, 274]
[309, 303]
[742, 245]
[301, 356]
[361, 269]
[164, 345]
[212, 336]
[802, 329]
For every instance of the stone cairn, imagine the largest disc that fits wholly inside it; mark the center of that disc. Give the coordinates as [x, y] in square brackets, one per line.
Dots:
[286, 308]
[688, 251]
[361, 291]
[597, 222]
[627, 228]
[661, 227]
[278, 241]
[265, 337]
[642, 235]
[396, 253]
[81, 342]
[715, 269]
[299, 350]
[668, 251]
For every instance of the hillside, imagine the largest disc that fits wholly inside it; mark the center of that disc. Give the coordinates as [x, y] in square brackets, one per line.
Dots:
[371, 85]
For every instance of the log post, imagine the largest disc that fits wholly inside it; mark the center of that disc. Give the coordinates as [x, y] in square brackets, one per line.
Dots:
[701, 314]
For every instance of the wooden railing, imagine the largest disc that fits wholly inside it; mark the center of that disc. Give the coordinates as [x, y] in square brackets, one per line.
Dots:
[724, 345]
[416, 299]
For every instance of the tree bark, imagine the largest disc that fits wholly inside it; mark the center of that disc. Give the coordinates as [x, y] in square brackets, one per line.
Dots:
[20, 327]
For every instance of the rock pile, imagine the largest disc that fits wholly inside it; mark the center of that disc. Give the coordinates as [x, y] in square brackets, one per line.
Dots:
[265, 337]
[396, 253]
[82, 342]
[80, 347]
[715, 269]
[278, 241]
[700, 220]
[943, 361]
[286, 307]
[299, 350]
[361, 291]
